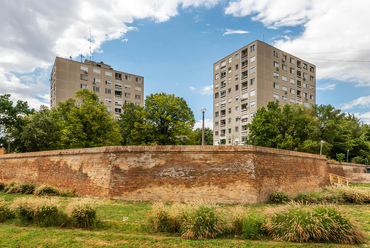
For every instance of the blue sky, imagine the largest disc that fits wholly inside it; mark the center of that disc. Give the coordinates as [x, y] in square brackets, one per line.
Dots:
[173, 43]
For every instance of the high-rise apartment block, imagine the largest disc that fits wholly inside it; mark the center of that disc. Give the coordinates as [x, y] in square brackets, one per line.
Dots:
[250, 78]
[114, 88]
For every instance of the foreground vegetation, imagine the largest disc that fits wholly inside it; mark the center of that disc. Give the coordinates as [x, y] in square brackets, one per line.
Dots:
[137, 224]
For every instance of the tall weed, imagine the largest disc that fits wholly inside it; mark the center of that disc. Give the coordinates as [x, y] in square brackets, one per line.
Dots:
[82, 212]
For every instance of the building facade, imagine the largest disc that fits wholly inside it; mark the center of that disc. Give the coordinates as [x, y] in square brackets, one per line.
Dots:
[114, 88]
[251, 77]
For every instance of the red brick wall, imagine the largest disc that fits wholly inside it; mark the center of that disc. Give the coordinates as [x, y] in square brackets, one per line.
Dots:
[223, 174]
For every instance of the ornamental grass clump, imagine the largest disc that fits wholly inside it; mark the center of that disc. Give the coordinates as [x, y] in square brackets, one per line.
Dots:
[313, 223]
[82, 212]
[279, 197]
[165, 218]
[19, 188]
[5, 212]
[356, 196]
[40, 211]
[45, 190]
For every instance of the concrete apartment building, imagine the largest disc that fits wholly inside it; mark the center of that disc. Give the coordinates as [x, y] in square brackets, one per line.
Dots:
[114, 88]
[251, 77]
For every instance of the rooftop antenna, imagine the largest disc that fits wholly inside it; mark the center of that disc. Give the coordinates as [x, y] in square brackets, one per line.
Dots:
[70, 57]
[81, 57]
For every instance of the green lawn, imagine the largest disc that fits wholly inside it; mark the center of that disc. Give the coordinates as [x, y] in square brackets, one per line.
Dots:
[114, 232]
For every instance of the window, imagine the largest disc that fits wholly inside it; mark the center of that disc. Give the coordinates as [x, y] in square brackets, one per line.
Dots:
[229, 121]
[305, 95]
[216, 114]
[304, 76]
[138, 80]
[117, 110]
[217, 76]
[96, 80]
[276, 97]
[229, 90]
[312, 79]
[216, 105]
[292, 91]
[253, 70]
[236, 108]
[312, 97]
[276, 75]
[291, 70]
[253, 48]
[108, 100]
[216, 123]
[236, 129]
[128, 95]
[236, 56]
[312, 88]
[223, 63]
[229, 71]
[305, 104]
[223, 73]
[229, 100]
[216, 133]
[253, 58]
[284, 98]
[127, 86]
[230, 59]
[83, 86]
[109, 109]
[236, 66]
[312, 69]
[84, 68]
[107, 82]
[223, 93]
[292, 81]
[252, 115]
[284, 78]
[304, 66]
[284, 68]
[236, 77]
[108, 91]
[236, 119]
[229, 110]
[253, 81]
[236, 87]
[96, 71]
[127, 101]
[237, 98]
[138, 97]
[253, 104]
[96, 89]
[252, 93]
[216, 95]
[276, 64]
[284, 88]
[292, 101]
[292, 60]
[244, 96]
[83, 77]
[137, 88]
[276, 86]
[108, 73]
[284, 58]
[127, 77]
[276, 54]
[305, 85]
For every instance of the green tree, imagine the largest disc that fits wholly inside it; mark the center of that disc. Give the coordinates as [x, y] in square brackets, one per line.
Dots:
[165, 120]
[130, 115]
[208, 136]
[86, 122]
[41, 132]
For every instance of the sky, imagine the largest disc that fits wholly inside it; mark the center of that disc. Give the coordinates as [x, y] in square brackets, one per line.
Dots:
[174, 43]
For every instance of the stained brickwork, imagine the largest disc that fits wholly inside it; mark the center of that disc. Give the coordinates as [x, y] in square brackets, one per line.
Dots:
[222, 174]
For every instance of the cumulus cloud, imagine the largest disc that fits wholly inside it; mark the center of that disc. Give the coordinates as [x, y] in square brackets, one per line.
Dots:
[230, 31]
[33, 32]
[327, 87]
[207, 123]
[359, 102]
[205, 90]
[365, 117]
[331, 37]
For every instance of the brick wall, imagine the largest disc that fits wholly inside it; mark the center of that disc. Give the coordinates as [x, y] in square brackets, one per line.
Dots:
[222, 174]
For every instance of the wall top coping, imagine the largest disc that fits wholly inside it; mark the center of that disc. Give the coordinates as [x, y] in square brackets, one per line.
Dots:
[154, 149]
[346, 164]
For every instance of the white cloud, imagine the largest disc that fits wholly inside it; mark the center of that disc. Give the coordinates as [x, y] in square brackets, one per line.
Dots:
[365, 117]
[287, 31]
[207, 123]
[334, 32]
[359, 102]
[35, 31]
[327, 87]
[124, 40]
[205, 90]
[192, 88]
[230, 31]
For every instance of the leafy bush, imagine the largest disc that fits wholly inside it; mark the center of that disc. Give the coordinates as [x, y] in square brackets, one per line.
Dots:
[279, 197]
[320, 223]
[5, 213]
[82, 212]
[39, 211]
[2, 186]
[341, 157]
[253, 226]
[44, 190]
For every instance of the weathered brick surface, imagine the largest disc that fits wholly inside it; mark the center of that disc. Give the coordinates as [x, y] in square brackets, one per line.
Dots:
[344, 169]
[223, 174]
[358, 177]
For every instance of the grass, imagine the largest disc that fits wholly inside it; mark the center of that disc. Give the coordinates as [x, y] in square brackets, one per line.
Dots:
[135, 231]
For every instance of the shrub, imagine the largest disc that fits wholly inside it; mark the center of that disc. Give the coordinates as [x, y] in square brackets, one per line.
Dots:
[82, 212]
[5, 212]
[165, 218]
[253, 226]
[321, 223]
[279, 197]
[44, 190]
[68, 193]
[340, 157]
[2, 186]
[201, 221]
[40, 211]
